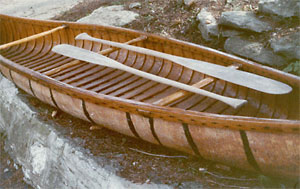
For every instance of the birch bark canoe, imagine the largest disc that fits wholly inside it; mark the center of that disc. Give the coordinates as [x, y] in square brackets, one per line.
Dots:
[261, 136]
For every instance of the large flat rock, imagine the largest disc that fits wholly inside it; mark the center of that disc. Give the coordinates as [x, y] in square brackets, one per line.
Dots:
[111, 15]
[283, 8]
[244, 20]
[41, 9]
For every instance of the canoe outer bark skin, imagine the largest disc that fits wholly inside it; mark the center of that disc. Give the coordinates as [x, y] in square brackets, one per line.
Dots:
[275, 154]
[220, 145]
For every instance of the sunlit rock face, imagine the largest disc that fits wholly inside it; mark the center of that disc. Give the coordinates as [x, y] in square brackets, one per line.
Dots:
[112, 15]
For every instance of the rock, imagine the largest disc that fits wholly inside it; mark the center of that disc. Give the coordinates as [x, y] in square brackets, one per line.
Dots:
[44, 9]
[288, 46]
[136, 5]
[208, 25]
[283, 8]
[112, 15]
[244, 20]
[253, 50]
[230, 32]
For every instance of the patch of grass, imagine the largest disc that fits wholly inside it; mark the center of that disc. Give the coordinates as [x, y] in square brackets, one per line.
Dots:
[293, 68]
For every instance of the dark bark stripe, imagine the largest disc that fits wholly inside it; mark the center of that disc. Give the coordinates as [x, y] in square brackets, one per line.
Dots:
[131, 126]
[248, 151]
[151, 122]
[52, 98]
[86, 113]
[30, 86]
[12, 79]
[190, 139]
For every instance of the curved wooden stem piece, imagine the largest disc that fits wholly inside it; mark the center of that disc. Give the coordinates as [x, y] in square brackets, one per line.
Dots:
[92, 57]
[238, 77]
[32, 37]
[103, 52]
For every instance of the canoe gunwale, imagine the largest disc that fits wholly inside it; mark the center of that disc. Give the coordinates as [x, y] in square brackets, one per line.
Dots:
[163, 112]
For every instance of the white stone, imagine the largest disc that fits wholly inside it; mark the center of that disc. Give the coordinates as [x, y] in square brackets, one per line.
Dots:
[39, 157]
[112, 15]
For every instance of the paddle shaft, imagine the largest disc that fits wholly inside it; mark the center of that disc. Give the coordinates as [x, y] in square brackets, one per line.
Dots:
[92, 57]
[238, 77]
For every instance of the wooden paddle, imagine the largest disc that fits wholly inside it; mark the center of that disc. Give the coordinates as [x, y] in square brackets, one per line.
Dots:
[95, 58]
[238, 77]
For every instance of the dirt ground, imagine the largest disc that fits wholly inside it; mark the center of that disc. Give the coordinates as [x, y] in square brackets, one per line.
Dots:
[168, 18]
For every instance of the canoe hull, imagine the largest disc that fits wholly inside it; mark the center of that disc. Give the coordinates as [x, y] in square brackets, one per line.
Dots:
[263, 144]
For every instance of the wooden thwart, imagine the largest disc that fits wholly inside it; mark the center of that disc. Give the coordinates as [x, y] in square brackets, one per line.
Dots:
[92, 57]
[103, 52]
[181, 94]
[237, 77]
[32, 37]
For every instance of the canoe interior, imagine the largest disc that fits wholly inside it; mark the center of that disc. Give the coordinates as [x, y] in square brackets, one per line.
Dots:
[37, 56]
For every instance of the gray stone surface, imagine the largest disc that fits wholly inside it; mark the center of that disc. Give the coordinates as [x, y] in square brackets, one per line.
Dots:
[48, 158]
[284, 8]
[112, 15]
[244, 20]
[289, 46]
[254, 51]
[41, 9]
[231, 32]
[207, 25]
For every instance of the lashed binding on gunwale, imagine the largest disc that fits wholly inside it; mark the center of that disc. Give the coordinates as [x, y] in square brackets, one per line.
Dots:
[191, 123]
